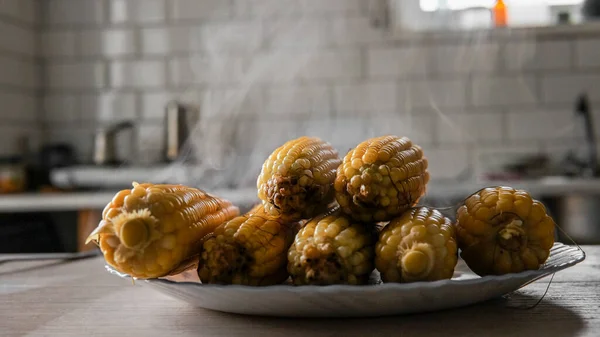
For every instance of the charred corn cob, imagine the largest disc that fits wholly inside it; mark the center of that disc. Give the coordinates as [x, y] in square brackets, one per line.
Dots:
[381, 178]
[419, 245]
[502, 230]
[332, 249]
[152, 230]
[250, 249]
[296, 180]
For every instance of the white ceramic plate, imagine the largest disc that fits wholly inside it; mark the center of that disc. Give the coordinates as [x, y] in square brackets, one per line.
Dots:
[376, 299]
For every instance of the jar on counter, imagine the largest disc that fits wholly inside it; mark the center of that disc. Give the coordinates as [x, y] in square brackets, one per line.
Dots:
[13, 175]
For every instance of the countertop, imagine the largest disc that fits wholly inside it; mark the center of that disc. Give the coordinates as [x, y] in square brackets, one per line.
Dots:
[80, 298]
[444, 190]
[73, 201]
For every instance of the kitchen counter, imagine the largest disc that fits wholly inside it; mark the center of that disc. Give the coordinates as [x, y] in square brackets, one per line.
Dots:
[74, 201]
[80, 298]
[436, 189]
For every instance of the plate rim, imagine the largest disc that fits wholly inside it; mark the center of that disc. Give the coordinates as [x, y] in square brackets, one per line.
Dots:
[532, 275]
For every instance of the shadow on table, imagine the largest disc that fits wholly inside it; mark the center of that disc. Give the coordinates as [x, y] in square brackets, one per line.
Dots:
[501, 317]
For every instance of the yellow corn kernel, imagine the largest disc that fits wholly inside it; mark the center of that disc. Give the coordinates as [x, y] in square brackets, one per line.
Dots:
[332, 249]
[250, 249]
[513, 234]
[419, 245]
[156, 230]
[381, 178]
[296, 180]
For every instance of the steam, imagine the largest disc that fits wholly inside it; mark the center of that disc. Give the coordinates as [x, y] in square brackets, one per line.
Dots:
[216, 156]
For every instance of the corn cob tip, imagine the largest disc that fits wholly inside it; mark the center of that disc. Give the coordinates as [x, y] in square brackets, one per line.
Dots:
[298, 177]
[501, 230]
[332, 249]
[381, 178]
[419, 245]
[152, 230]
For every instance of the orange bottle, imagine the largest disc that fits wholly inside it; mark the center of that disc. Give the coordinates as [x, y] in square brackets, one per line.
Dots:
[499, 10]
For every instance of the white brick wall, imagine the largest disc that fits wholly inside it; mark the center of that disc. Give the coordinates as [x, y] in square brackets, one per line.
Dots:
[263, 71]
[138, 11]
[504, 90]
[58, 43]
[588, 52]
[398, 62]
[108, 43]
[542, 55]
[368, 97]
[468, 57]
[137, 74]
[301, 100]
[565, 87]
[66, 12]
[199, 9]
[75, 76]
[19, 75]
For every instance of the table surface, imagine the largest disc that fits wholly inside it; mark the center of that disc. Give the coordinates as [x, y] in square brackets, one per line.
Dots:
[79, 298]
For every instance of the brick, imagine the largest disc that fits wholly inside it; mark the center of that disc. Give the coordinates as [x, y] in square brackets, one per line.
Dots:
[137, 74]
[397, 62]
[17, 39]
[279, 8]
[61, 108]
[471, 128]
[205, 69]
[540, 125]
[236, 36]
[58, 43]
[440, 93]
[447, 163]
[231, 102]
[108, 107]
[504, 90]
[546, 55]
[75, 75]
[138, 11]
[114, 42]
[309, 100]
[297, 33]
[59, 12]
[349, 31]
[366, 97]
[467, 58]
[565, 88]
[18, 106]
[154, 103]
[588, 52]
[200, 9]
[167, 40]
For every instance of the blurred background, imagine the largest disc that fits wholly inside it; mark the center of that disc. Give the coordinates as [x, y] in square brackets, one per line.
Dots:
[96, 94]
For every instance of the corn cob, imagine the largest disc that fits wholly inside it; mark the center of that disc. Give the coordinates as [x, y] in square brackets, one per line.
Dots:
[419, 245]
[381, 178]
[296, 180]
[250, 249]
[502, 230]
[156, 230]
[332, 249]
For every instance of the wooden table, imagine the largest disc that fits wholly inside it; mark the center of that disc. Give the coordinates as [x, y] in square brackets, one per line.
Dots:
[78, 298]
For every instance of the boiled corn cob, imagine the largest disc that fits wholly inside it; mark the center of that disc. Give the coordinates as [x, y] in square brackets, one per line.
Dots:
[419, 245]
[381, 178]
[332, 249]
[153, 230]
[502, 230]
[296, 180]
[250, 249]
